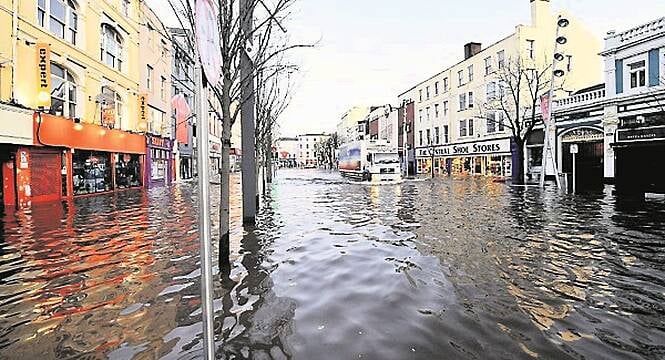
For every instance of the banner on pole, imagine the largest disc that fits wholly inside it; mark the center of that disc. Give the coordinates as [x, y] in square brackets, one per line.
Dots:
[545, 108]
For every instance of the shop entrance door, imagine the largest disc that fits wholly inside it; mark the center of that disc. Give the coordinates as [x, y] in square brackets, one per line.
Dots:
[589, 166]
[639, 168]
[46, 175]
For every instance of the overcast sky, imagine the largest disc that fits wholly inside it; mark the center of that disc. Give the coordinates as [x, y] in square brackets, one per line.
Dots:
[370, 51]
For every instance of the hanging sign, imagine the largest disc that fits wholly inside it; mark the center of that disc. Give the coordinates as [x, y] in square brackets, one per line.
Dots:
[545, 108]
[207, 40]
[143, 111]
[43, 75]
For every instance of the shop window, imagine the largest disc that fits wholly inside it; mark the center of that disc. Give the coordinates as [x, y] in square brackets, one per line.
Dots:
[91, 172]
[127, 171]
[462, 128]
[159, 163]
[637, 74]
[63, 93]
[59, 17]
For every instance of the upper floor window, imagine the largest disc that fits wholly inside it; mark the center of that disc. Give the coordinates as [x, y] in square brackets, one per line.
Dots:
[491, 91]
[420, 95]
[162, 88]
[112, 108]
[436, 88]
[60, 17]
[111, 47]
[63, 93]
[530, 48]
[460, 77]
[445, 84]
[427, 91]
[149, 74]
[125, 7]
[445, 108]
[488, 65]
[501, 59]
[436, 111]
[638, 74]
[470, 73]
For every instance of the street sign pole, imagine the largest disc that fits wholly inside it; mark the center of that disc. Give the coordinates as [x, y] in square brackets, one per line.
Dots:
[208, 59]
[574, 149]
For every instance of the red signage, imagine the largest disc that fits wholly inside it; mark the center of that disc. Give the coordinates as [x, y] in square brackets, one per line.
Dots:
[545, 108]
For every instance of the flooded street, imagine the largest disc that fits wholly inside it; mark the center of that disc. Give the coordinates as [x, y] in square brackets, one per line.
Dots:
[458, 268]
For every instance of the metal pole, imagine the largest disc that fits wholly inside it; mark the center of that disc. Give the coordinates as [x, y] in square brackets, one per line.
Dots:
[574, 174]
[204, 215]
[249, 194]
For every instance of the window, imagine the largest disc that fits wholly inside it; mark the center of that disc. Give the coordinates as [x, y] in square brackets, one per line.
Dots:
[460, 77]
[427, 110]
[462, 128]
[60, 17]
[530, 48]
[501, 59]
[420, 135]
[162, 88]
[429, 137]
[436, 88]
[637, 74]
[446, 138]
[445, 108]
[569, 62]
[491, 91]
[436, 135]
[470, 73]
[488, 65]
[125, 7]
[111, 108]
[491, 123]
[470, 127]
[470, 99]
[157, 124]
[63, 92]
[499, 121]
[427, 92]
[420, 115]
[462, 101]
[445, 84]
[111, 47]
[149, 77]
[436, 111]
[420, 94]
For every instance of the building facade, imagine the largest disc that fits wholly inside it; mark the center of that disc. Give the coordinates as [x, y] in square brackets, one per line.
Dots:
[306, 149]
[72, 66]
[155, 97]
[455, 131]
[287, 151]
[634, 114]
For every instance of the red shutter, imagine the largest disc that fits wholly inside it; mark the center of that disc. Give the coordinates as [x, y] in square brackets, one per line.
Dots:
[46, 178]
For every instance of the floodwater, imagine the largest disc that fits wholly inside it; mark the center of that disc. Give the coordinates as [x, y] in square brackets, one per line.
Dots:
[460, 268]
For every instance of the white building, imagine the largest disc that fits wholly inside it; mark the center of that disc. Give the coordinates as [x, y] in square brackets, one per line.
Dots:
[450, 122]
[287, 151]
[306, 149]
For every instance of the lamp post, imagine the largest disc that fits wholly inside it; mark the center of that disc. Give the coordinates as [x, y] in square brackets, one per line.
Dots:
[548, 119]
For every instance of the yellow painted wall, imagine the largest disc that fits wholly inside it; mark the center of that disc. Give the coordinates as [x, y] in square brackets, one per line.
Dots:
[5, 49]
[83, 59]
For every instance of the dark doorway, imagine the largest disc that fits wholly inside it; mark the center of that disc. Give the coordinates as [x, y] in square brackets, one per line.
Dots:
[639, 168]
[589, 167]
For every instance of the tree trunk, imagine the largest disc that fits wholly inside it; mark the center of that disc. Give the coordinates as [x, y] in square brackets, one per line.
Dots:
[518, 162]
[224, 250]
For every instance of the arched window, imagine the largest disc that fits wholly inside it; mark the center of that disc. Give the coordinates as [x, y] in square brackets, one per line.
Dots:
[111, 108]
[111, 47]
[60, 17]
[63, 92]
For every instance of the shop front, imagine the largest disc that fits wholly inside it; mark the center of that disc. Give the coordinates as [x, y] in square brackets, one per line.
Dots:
[588, 145]
[639, 154]
[159, 161]
[490, 157]
[72, 159]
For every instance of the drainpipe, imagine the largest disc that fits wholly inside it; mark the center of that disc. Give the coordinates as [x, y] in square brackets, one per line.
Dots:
[15, 4]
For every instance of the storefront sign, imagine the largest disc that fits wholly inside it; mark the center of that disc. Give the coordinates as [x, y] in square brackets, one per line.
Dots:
[44, 75]
[583, 135]
[155, 141]
[24, 160]
[143, 111]
[467, 149]
[641, 134]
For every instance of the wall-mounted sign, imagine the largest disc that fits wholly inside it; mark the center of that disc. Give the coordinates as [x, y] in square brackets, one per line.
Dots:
[143, 111]
[583, 135]
[43, 75]
[641, 134]
[108, 116]
[158, 142]
[501, 146]
[23, 160]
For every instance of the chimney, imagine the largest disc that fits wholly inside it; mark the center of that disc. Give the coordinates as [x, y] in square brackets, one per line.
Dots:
[541, 11]
[471, 49]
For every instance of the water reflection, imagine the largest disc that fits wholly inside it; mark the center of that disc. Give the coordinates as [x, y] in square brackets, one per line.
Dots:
[450, 268]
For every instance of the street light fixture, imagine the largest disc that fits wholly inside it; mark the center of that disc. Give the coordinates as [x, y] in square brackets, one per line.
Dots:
[558, 57]
[563, 22]
[561, 40]
[559, 73]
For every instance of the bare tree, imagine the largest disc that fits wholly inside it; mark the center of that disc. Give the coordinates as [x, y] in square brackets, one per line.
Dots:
[325, 149]
[515, 103]
[235, 43]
